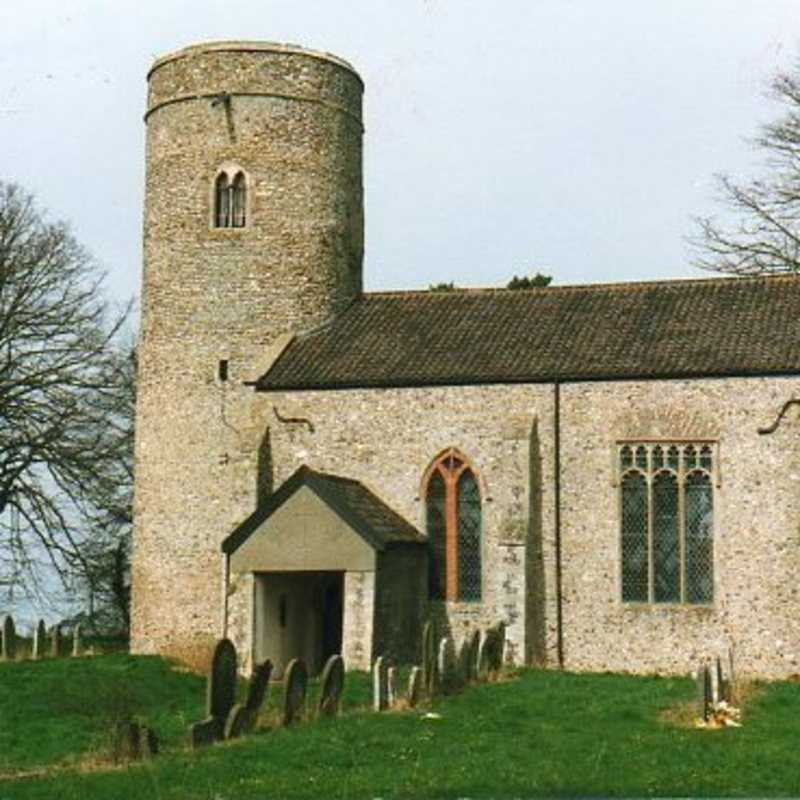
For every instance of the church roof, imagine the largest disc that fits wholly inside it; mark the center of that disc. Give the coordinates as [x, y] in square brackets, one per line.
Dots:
[362, 510]
[664, 329]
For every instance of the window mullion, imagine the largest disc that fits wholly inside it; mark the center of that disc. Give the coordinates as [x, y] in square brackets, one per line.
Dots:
[451, 538]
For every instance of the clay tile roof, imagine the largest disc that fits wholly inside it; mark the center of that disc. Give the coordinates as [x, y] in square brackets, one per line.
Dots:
[360, 508]
[665, 329]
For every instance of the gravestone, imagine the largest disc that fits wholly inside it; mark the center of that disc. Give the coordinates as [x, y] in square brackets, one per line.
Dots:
[474, 646]
[379, 687]
[220, 694]
[731, 675]
[331, 685]
[464, 662]
[133, 741]
[414, 687]
[76, 640]
[447, 666]
[39, 640]
[391, 687]
[294, 690]
[55, 641]
[206, 732]
[9, 638]
[428, 660]
[722, 693]
[243, 716]
[482, 661]
[495, 642]
[221, 686]
[704, 681]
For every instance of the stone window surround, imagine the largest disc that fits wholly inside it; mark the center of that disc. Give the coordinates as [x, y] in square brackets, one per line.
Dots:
[451, 525]
[617, 472]
[230, 169]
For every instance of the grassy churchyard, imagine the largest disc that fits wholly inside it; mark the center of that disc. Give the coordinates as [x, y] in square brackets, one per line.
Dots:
[531, 733]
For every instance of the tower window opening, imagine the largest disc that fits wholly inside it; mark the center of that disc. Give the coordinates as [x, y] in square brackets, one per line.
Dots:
[222, 370]
[230, 201]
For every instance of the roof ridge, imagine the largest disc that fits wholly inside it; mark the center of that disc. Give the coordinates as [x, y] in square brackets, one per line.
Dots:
[577, 287]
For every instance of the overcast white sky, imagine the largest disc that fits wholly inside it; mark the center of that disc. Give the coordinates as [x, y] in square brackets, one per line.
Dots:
[577, 137]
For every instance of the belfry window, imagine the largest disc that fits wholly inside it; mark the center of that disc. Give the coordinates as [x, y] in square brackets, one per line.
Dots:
[453, 521]
[230, 201]
[667, 521]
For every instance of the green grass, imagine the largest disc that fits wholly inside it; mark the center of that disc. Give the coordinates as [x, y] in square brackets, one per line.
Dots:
[544, 733]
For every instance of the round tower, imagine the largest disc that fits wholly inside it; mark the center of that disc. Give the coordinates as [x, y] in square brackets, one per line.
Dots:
[253, 228]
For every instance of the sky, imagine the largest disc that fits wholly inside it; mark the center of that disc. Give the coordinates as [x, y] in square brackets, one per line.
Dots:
[572, 137]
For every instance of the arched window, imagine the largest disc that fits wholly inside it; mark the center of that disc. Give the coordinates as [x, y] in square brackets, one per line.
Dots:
[230, 201]
[453, 517]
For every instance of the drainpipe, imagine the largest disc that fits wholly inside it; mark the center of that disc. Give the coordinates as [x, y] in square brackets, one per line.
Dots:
[557, 516]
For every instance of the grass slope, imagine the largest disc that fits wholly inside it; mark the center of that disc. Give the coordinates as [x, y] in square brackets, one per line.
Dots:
[545, 733]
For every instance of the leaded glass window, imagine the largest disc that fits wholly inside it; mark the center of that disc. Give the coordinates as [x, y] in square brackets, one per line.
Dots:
[453, 518]
[667, 521]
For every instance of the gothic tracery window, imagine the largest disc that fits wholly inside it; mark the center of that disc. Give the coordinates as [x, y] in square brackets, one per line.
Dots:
[667, 522]
[453, 521]
[230, 200]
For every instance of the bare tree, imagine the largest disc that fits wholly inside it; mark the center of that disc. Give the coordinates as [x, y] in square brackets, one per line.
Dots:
[59, 375]
[767, 236]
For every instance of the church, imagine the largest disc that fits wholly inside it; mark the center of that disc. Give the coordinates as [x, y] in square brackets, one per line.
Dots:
[611, 470]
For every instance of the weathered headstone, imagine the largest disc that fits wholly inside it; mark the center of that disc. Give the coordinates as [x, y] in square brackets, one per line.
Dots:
[55, 641]
[391, 686]
[206, 732]
[39, 640]
[708, 700]
[133, 741]
[294, 691]
[447, 665]
[429, 681]
[76, 640]
[495, 642]
[721, 693]
[464, 662]
[9, 638]
[220, 694]
[243, 716]
[482, 661]
[331, 685]
[221, 687]
[379, 688]
[474, 646]
[414, 687]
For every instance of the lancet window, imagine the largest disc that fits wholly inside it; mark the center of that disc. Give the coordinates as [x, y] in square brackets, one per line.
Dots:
[667, 521]
[230, 200]
[453, 521]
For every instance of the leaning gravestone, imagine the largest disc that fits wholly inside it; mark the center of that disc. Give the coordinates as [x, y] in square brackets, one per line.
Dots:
[133, 741]
[9, 638]
[447, 665]
[76, 640]
[220, 694]
[379, 685]
[331, 685]
[495, 638]
[414, 687]
[39, 639]
[55, 641]
[294, 690]
[242, 717]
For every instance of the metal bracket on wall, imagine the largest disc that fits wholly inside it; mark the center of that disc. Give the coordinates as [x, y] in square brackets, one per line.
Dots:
[786, 406]
[295, 420]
